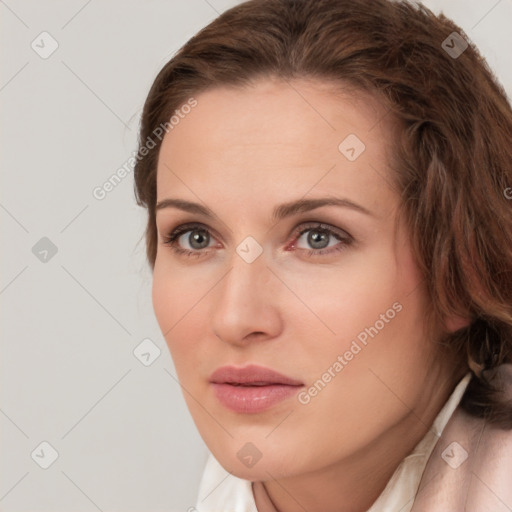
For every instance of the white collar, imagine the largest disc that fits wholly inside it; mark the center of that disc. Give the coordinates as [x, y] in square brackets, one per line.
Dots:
[222, 491]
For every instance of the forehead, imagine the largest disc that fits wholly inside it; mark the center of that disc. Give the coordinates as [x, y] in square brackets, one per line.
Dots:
[278, 111]
[278, 133]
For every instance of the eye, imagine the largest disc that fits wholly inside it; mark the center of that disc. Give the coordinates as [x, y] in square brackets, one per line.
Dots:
[319, 239]
[198, 239]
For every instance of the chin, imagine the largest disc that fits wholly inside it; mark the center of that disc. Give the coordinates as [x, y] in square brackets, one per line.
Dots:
[265, 468]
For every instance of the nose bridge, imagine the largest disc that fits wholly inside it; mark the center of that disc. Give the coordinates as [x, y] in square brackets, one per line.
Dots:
[243, 284]
[242, 299]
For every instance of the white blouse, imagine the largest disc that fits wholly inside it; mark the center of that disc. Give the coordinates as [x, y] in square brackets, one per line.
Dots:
[219, 491]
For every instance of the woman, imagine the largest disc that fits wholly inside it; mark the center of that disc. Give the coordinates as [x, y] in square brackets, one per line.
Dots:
[330, 237]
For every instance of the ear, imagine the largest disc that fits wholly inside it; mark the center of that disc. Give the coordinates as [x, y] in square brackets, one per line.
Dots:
[454, 323]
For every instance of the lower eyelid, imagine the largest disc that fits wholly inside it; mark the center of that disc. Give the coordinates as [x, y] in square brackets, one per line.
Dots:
[342, 243]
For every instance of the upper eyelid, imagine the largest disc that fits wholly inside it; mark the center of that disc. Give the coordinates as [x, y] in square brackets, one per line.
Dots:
[297, 231]
[306, 226]
[185, 227]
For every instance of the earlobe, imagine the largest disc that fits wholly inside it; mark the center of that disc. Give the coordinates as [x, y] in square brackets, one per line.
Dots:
[454, 323]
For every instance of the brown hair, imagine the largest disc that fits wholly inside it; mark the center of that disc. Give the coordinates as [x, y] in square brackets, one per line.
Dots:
[452, 158]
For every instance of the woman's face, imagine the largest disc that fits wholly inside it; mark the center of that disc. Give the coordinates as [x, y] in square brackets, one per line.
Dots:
[328, 295]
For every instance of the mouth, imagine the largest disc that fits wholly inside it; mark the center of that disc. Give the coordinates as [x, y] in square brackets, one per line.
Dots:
[252, 384]
[251, 375]
[252, 389]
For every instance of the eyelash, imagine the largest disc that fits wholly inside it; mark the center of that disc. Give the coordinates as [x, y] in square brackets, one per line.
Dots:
[346, 239]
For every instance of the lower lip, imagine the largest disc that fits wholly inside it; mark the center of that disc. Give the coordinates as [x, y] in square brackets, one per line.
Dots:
[252, 399]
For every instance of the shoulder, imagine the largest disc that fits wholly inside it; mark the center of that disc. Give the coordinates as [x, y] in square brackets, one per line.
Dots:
[470, 467]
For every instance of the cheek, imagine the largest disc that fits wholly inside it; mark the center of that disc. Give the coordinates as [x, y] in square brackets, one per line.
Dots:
[172, 299]
[344, 300]
[175, 293]
[370, 312]
[164, 298]
[381, 340]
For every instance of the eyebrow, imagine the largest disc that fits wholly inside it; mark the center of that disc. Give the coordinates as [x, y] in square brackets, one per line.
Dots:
[280, 212]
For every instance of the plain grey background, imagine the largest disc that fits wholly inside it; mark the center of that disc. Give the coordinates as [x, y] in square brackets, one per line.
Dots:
[75, 288]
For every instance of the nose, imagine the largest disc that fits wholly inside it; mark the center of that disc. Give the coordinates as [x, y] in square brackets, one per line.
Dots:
[246, 303]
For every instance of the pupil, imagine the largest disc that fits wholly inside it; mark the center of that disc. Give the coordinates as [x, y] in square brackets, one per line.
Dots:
[199, 237]
[315, 239]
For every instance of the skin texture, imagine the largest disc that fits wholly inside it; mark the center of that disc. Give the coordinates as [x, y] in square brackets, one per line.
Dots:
[241, 152]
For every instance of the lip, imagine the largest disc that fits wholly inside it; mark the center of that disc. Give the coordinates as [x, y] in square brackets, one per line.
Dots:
[251, 374]
[252, 388]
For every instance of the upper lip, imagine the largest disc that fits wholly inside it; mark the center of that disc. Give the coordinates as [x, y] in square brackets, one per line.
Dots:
[251, 375]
